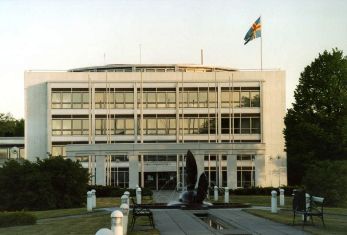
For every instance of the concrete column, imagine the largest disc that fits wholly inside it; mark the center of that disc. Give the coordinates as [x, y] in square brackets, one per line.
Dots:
[220, 177]
[260, 174]
[133, 171]
[232, 171]
[178, 171]
[100, 170]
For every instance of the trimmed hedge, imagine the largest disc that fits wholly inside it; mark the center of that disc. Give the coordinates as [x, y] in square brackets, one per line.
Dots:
[110, 191]
[8, 219]
[288, 190]
[265, 191]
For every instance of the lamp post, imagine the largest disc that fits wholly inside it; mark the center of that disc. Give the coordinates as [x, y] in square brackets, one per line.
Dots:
[279, 170]
[117, 161]
[270, 169]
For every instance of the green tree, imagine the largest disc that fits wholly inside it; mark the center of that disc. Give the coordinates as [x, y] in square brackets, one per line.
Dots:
[46, 184]
[327, 179]
[9, 126]
[316, 125]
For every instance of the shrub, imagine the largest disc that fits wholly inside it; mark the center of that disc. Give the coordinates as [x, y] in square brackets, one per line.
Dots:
[8, 219]
[288, 190]
[46, 184]
[111, 191]
[327, 179]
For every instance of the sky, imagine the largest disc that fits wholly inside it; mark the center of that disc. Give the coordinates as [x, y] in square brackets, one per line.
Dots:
[65, 34]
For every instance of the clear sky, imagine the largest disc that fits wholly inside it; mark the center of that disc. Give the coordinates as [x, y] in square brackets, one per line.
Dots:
[59, 35]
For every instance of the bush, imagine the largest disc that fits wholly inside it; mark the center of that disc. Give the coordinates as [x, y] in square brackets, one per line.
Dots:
[327, 179]
[110, 191]
[288, 190]
[8, 219]
[47, 184]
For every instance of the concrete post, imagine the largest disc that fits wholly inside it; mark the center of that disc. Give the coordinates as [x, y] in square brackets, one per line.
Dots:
[273, 201]
[215, 193]
[104, 231]
[124, 199]
[94, 198]
[138, 195]
[89, 201]
[125, 210]
[226, 195]
[308, 201]
[281, 197]
[117, 222]
[128, 194]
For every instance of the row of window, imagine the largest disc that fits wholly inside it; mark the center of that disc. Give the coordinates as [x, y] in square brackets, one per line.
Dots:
[157, 126]
[124, 99]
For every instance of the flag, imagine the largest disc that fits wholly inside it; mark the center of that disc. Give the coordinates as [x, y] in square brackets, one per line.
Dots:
[254, 31]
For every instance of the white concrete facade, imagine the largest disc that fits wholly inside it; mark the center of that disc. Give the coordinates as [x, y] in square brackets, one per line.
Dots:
[183, 108]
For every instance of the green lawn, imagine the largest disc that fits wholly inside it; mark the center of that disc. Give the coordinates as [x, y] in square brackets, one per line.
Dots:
[86, 223]
[335, 224]
[58, 213]
[115, 201]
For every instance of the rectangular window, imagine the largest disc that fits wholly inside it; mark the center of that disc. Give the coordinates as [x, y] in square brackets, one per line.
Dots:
[255, 99]
[66, 100]
[225, 99]
[245, 99]
[236, 99]
[245, 177]
[203, 100]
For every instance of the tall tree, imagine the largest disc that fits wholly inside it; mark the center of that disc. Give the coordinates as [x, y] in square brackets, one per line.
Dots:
[9, 126]
[316, 125]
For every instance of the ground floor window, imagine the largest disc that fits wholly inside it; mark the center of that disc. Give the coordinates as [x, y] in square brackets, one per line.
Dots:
[245, 176]
[120, 177]
[160, 180]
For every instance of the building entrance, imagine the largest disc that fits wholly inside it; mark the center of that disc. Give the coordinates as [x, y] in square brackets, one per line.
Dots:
[160, 180]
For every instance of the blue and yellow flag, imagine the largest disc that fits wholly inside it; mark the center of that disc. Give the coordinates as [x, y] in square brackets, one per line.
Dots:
[254, 31]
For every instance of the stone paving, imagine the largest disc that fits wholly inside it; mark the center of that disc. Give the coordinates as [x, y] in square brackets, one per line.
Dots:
[235, 221]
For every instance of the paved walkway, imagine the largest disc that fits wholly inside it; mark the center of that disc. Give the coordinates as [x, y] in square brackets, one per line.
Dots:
[235, 221]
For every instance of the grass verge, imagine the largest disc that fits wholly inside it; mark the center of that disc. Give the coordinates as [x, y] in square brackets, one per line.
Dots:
[335, 224]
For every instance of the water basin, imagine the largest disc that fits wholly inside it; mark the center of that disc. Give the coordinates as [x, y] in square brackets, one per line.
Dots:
[211, 221]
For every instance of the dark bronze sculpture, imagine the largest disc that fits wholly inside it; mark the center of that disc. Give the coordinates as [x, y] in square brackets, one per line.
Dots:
[192, 197]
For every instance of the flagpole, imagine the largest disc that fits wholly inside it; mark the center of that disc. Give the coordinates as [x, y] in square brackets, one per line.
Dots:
[261, 45]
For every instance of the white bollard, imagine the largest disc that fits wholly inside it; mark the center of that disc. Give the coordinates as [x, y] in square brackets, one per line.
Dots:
[281, 197]
[215, 193]
[226, 195]
[89, 201]
[104, 231]
[273, 201]
[124, 199]
[94, 198]
[125, 210]
[138, 196]
[117, 223]
[128, 194]
[308, 201]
